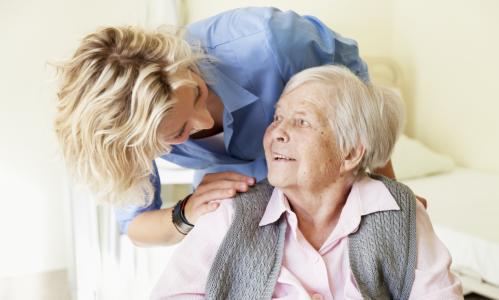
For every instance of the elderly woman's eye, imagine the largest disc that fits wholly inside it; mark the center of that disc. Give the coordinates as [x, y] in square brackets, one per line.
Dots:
[277, 118]
[303, 122]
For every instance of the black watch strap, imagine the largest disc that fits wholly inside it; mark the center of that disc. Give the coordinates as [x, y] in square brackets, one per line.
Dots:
[178, 220]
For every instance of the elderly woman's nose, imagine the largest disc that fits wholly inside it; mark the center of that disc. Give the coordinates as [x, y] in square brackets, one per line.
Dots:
[280, 133]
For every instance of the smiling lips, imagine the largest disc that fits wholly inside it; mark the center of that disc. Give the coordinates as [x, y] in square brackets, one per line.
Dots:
[280, 157]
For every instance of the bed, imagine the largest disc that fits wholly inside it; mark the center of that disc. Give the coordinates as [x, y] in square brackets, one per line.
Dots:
[464, 208]
[463, 204]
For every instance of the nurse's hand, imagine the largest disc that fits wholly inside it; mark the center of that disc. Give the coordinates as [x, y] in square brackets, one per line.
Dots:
[216, 186]
[423, 201]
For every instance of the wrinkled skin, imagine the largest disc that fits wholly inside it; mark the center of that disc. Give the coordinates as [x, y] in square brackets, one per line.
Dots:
[305, 163]
[302, 132]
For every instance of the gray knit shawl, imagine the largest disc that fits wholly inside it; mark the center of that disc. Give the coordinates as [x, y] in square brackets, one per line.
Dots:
[382, 252]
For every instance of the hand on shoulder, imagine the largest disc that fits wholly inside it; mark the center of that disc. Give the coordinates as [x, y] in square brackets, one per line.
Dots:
[215, 186]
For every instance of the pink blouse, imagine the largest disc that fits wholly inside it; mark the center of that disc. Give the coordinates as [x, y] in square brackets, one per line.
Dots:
[307, 273]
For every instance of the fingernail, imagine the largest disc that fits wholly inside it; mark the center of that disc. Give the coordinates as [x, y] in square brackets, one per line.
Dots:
[242, 186]
[229, 191]
[214, 205]
[251, 181]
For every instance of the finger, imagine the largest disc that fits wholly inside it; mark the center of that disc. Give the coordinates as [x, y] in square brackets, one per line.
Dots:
[423, 201]
[208, 208]
[228, 175]
[240, 186]
[198, 200]
[202, 210]
[213, 195]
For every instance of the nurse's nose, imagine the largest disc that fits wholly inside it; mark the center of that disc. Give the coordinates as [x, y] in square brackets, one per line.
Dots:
[202, 119]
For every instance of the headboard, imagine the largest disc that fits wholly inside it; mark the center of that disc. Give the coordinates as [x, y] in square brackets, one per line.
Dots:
[384, 71]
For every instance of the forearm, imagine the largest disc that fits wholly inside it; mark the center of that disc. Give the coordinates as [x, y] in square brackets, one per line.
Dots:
[154, 228]
[386, 171]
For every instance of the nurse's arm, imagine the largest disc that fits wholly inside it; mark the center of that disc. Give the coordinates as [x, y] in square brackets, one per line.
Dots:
[387, 171]
[155, 228]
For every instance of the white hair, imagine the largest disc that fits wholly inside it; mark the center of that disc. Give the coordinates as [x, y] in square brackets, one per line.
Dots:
[372, 115]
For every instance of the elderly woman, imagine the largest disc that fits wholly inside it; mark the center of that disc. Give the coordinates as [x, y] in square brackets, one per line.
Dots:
[320, 227]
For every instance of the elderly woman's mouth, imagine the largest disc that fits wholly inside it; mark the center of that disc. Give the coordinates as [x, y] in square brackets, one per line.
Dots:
[280, 157]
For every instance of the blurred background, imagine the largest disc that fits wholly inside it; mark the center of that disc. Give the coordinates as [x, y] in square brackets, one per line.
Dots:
[446, 52]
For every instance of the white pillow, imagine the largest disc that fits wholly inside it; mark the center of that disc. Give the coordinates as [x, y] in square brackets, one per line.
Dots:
[411, 159]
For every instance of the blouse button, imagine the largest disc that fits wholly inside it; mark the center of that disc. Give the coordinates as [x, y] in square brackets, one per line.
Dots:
[317, 297]
[314, 258]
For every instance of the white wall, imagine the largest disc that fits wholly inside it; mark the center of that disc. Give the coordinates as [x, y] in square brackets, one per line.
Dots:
[31, 197]
[369, 22]
[449, 52]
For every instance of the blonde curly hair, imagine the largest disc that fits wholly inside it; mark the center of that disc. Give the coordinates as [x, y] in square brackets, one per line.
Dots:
[114, 91]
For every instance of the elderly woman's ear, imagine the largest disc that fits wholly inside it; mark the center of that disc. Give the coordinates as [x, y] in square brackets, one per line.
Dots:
[353, 158]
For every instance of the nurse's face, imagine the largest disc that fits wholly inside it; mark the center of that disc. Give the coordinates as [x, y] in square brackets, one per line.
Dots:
[189, 114]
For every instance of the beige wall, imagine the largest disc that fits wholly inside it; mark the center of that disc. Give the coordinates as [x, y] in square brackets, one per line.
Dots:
[449, 52]
[369, 22]
[31, 178]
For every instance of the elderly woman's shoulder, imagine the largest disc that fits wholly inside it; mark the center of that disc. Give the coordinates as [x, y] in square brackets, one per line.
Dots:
[220, 218]
[396, 188]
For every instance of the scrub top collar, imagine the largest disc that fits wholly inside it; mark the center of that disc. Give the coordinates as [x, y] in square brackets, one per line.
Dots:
[234, 97]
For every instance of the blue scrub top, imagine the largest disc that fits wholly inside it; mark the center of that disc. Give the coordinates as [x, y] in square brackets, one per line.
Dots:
[260, 50]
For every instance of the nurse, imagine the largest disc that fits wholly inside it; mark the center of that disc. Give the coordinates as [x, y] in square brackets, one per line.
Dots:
[201, 98]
